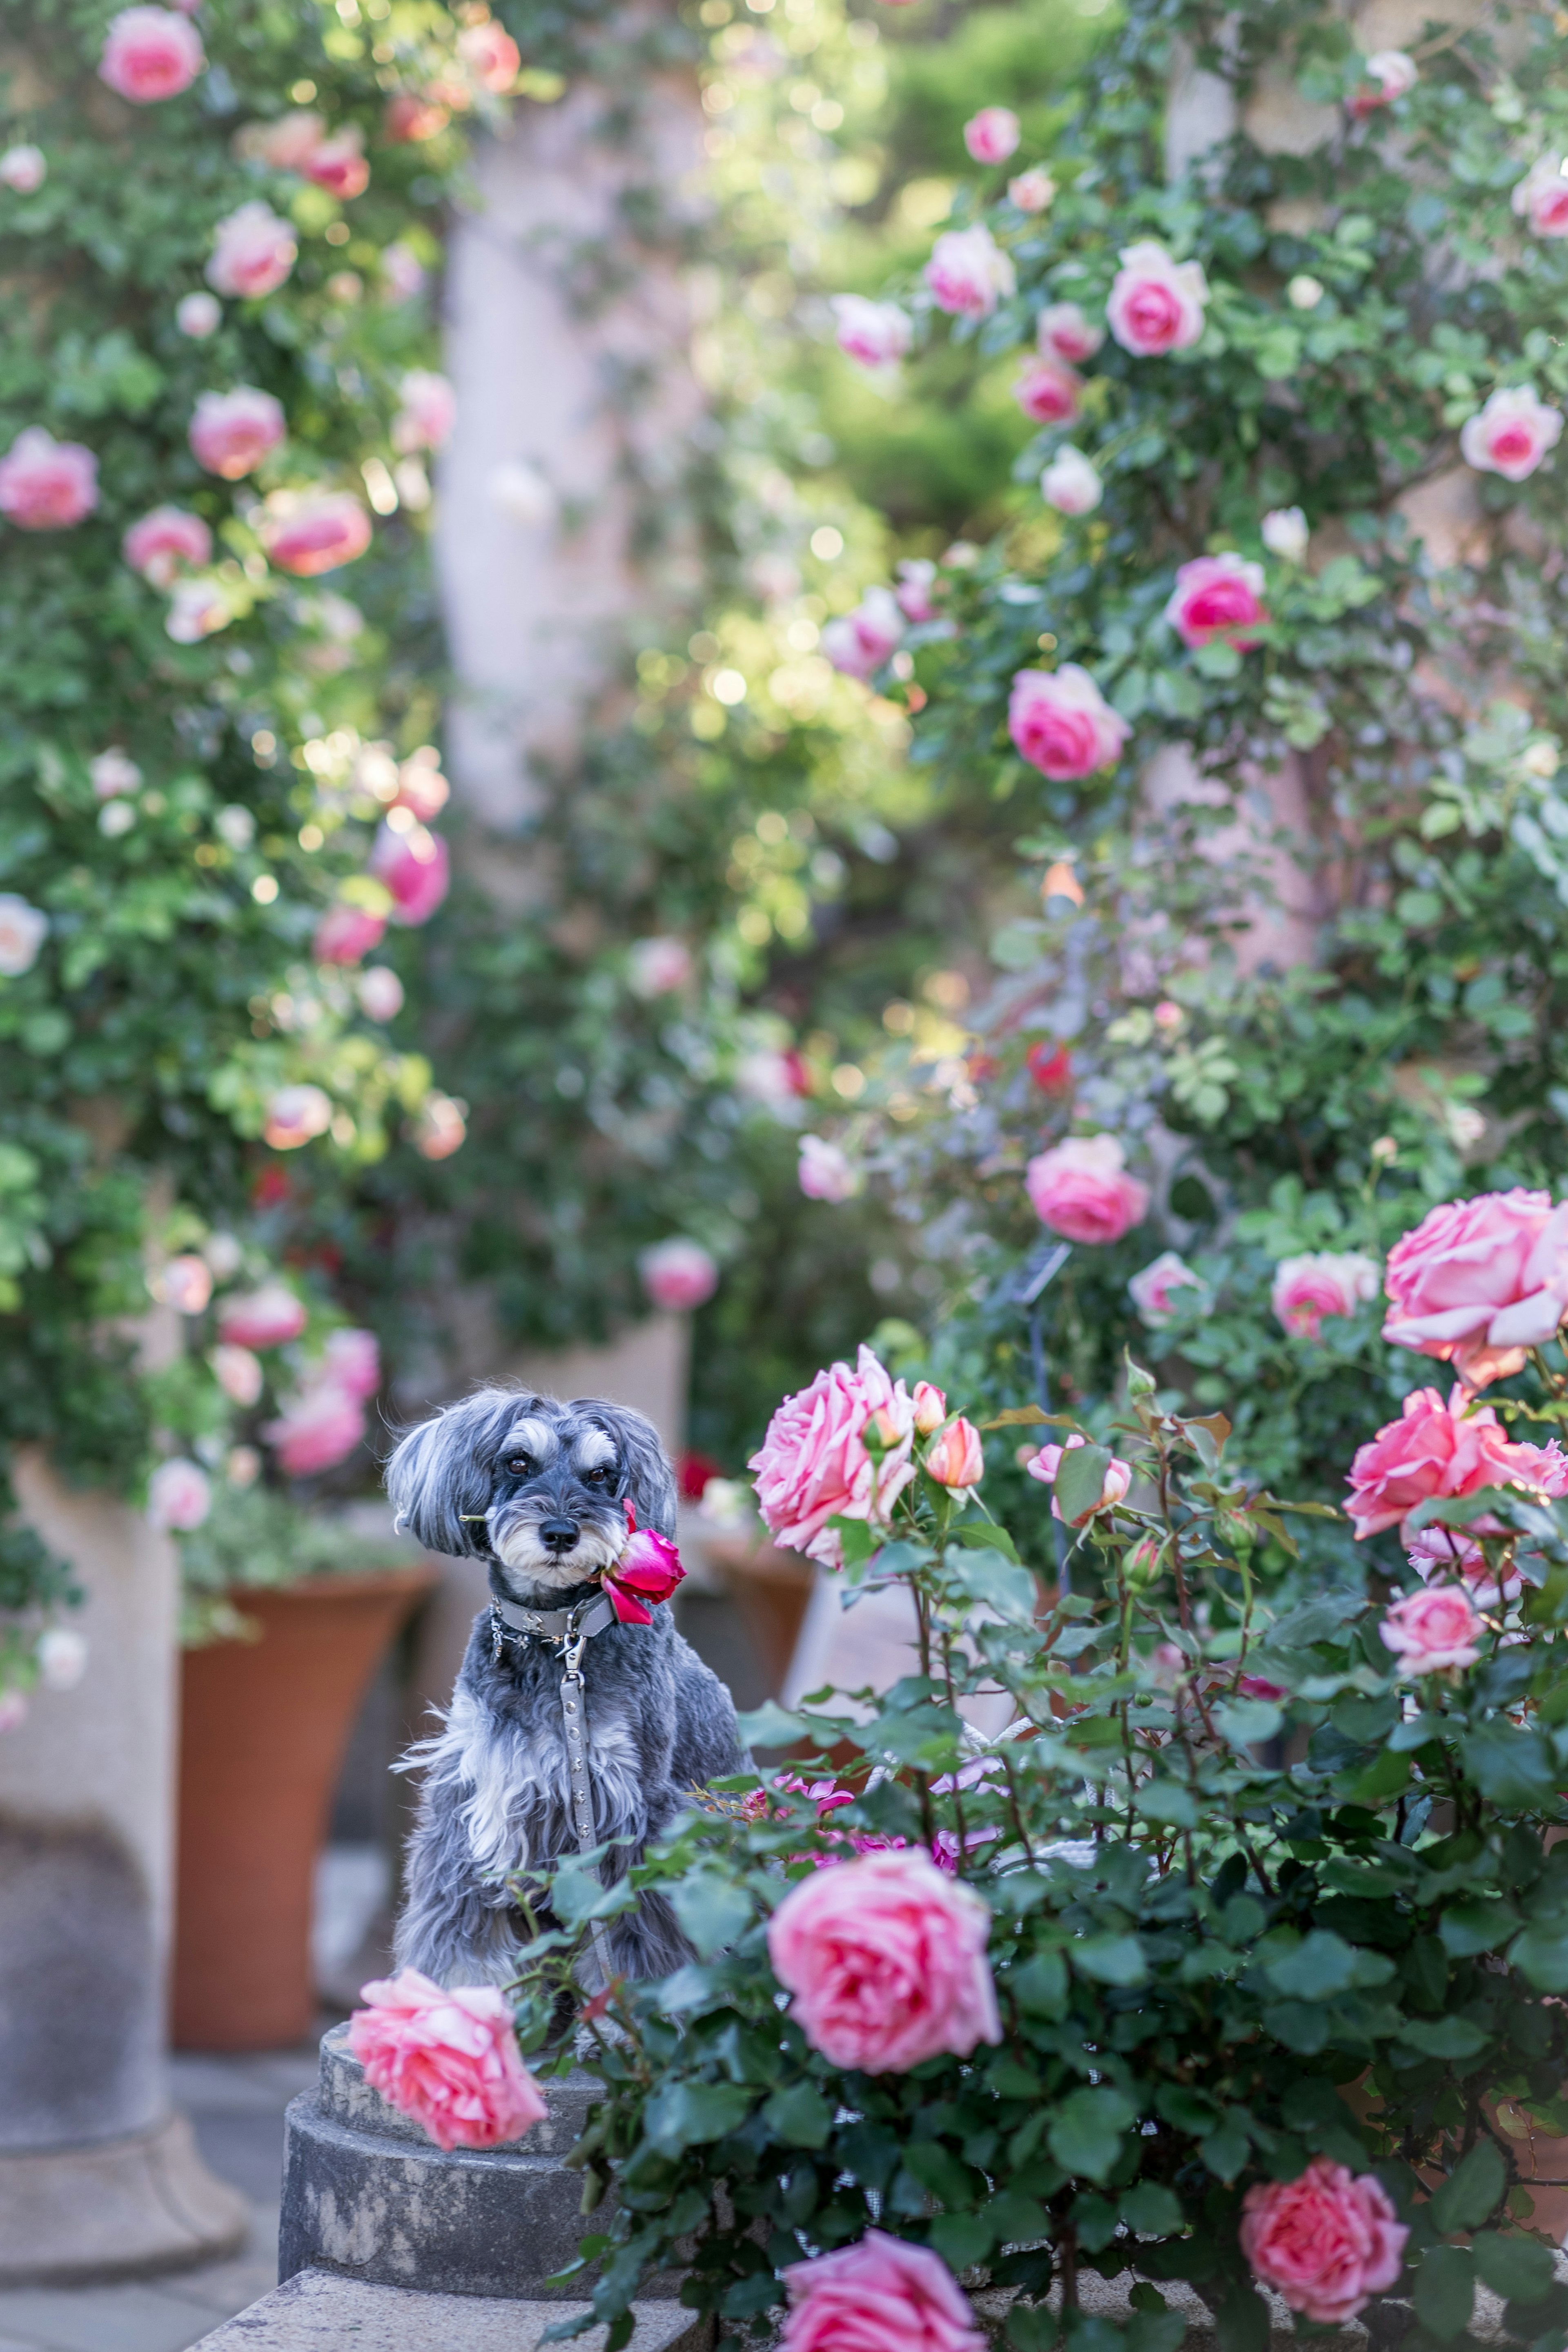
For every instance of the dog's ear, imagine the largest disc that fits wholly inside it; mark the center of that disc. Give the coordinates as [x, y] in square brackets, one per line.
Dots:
[647, 1479]
[437, 1474]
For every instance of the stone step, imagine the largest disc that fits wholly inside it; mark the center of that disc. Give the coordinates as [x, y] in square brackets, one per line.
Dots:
[317, 2312]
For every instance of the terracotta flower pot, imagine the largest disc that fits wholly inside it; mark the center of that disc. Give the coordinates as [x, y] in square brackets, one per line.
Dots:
[771, 1590]
[265, 1724]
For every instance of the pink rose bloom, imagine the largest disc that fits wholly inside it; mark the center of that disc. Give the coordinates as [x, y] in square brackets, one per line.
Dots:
[1322, 1283]
[185, 1284]
[380, 993]
[1047, 392]
[415, 866]
[887, 1959]
[45, 484]
[198, 315]
[491, 55]
[813, 1466]
[1072, 483]
[880, 2294]
[915, 592]
[317, 534]
[428, 413]
[657, 967]
[1044, 1465]
[1541, 197]
[1080, 1190]
[968, 273]
[288, 143]
[874, 333]
[352, 1361]
[22, 170]
[959, 1458]
[449, 2058]
[1511, 434]
[346, 934]
[339, 165]
[253, 252]
[1156, 304]
[149, 53]
[858, 642]
[441, 1126]
[1437, 1551]
[1433, 1631]
[1326, 2242]
[296, 1116]
[992, 135]
[238, 1373]
[164, 540]
[1063, 332]
[930, 1408]
[825, 1171]
[678, 1275]
[1033, 191]
[1061, 723]
[647, 1572]
[319, 1427]
[268, 1318]
[1152, 1288]
[197, 609]
[1390, 74]
[1480, 1282]
[1217, 596]
[410, 119]
[1440, 1449]
[179, 1496]
[231, 432]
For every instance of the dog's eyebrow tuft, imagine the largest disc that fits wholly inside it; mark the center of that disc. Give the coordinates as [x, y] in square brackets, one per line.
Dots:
[593, 1450]
[534, 1437]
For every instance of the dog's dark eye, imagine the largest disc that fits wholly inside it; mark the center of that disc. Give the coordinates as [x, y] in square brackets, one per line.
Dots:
[518, 1465]
[595, 1477]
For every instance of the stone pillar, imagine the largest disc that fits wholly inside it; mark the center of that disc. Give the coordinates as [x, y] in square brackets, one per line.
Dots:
[97, 2178]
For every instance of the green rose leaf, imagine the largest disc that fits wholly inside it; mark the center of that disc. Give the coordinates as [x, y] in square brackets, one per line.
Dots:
[1085, 2134]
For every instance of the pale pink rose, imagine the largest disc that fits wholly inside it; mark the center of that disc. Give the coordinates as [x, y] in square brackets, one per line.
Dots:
[1441, 1449]
[242, 1466]
[813, 1466]
[658, 967]
[268, 1318]
[62, 1653]
[420, 786]
[149, 53]
[352, 1361]
[313, 535]
[1322, 1283]
[338, 164]
[968, 273]
[490, 54]
[23, 930]
[198, 316]
[428, 412]
[1047, 393]
[185, 1284]
[449, 2058]
[319, 1427]
[1152, 1288]
[288, 143]
[238, 1373]
[1541, 197]
[1043, 1466]
[1155, 303]
[1283, 532]
[179, 1496]
[441, 1126]
[13, 1709]
[22, 170]
[164, 541]
[1390, 74]
[1033, 191]
[296, 1116]
[1217, 596]
[253, 252]
[1511, 434]
[231, 432]
[380, 993]
[416, 869]
[1433, 1631]
[1061, 723]
[1063, 332]
[858, 642]
[1436, 1552]
[915, 592]
[410, 120]
[197, 609]
[112, 774]
[1072, 483]
[1081, 1191]
[826, 1171]
[993, 134]
[880, 2294]
[1326, 2242]
[957, 1459]
[874, 333]
[1480, 1282]
[885, 1958]
[678, 1275]
[930, 1408]
[347, 933]
[45, 484]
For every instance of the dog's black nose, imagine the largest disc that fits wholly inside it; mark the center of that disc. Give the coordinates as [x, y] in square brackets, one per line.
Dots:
[558, 1535]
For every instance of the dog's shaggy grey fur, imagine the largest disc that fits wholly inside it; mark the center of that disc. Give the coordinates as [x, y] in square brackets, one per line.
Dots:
[539, 1489]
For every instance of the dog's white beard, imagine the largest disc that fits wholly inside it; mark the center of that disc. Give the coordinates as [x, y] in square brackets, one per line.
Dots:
[521, 1550]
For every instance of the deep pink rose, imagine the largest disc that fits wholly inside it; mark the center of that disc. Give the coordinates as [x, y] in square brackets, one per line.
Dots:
[1433, 1630]
[1047, 392]
[319, 1427]
[968, 273]
[415, 867]
[1217, 596]
[253, 252]
[231, 432]
[813, 1466]
[1155, 303]
[1326, 2242]
[449, 2058]
[887, 1959]
[150, 53]
[858, 642]
[1480, 1282]
[317, 534]
[1511, 434]
[1440, 1449]
[1541, 197]
[1061, 723]
[874, 333]
[1045, 1465]
[678, 1275]
[339, 165]
[959, 1458]
[164, 540]
[647, 1571]
[992, 135]
[1322, 1283]
[880, 2294]
[1081, 1191]
[268, 1318]
[1063, 332]
[428, 412]
[346, 934]
[45, 484]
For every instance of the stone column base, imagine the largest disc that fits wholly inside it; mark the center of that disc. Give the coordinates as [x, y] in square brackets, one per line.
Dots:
[114, 2209]
[317, 2312]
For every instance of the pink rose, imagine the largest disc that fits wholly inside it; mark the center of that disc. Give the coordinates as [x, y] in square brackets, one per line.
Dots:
[179, 1496]
[45, 484]
[1063, 332]
[22, 170]
[253, 252]
[858, 642]
[1047, 392]
[968, 273]
[296, 1116]
[346, 934]
[231, 432]
[197, 609]
[268, 1318]
[149, 53]
[1044, 1465]
[1072, 483]
[1321, 1283]
[164, 540]
[185, 1284]
[657, 967]
[880, 2294]
[958, 1457]
[825, 1171]
[678, 1275]
[916, 590]
[410, 119]
[449, 2058]
[874, 333]
[1434, 1631]
[1081, 1191]
[319, 1427]
[1326, 2242]
[1033, 191]
[1156, 304]
[647, 1571]
[238, 1373]
[1061, 723]
[887, 1959]
[112, 774]
[992, 135]
[420, 786]
[352, 1361]
[428, 412]
[1217, 596]
[1441, 1449]
[198, 316]
[1480, 1282]
[23, 930]
[316, 534]
[1283, 532]
[1541, 197]
[1511, 434]
[339, 165]
[1152, 1288]
[813, 1466]
[380, 993]
[491, 55]
[441, 1126]
[415, 865]
[930, 1408]
[288, 143]
[1390, 74]
[1436, 1552]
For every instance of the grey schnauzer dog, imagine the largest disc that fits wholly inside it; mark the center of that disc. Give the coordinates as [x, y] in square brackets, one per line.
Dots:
[539, 1489]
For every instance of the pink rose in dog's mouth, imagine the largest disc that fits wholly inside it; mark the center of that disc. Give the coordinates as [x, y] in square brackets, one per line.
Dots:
[648, 1571]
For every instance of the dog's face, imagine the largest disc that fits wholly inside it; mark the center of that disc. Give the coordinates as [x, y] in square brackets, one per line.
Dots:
[537, 1487]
